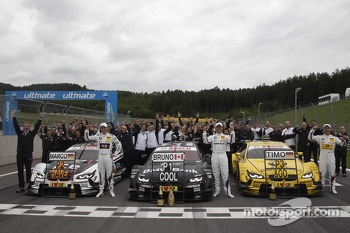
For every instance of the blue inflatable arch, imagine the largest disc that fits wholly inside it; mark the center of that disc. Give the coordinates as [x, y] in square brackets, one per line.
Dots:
[110, 98]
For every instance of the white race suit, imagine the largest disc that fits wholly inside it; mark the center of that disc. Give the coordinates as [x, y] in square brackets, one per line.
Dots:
[327, 158]
[105, 144]
[219, 161]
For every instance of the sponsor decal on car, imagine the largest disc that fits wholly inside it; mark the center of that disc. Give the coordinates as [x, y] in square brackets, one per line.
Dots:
[82, 184]
[190, 148]
[65, 156]
[268, 147]
[193, 186]
[279, 155]
[174, 169]
[167, 188]
[58, 184]
[168, 176]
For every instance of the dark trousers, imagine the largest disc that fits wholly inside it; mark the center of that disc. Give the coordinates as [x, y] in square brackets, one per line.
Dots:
[293, 148]
[138, 159]
[229, 158]
[148, 152]
[45, 156]
[314, 152]
[306, 154]
[129, 160]
[24, 160]
[340, 155]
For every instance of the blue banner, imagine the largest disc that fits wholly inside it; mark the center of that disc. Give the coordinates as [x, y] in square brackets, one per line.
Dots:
[110, 98]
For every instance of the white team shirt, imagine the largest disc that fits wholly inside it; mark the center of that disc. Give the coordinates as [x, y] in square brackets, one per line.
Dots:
[161, 136]
[266, 131]
[255, 131]
[151, 139]
[289, 141]
[141, 142]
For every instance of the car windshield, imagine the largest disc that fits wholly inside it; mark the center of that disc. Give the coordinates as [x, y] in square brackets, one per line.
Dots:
[192, 156]
[86, 155]
[259, 153]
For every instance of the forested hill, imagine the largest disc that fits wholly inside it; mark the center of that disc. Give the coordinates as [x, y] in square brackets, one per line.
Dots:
[215, 101]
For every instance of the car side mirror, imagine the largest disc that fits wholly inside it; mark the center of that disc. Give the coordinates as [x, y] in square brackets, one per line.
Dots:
[300, 154]
[239, 155]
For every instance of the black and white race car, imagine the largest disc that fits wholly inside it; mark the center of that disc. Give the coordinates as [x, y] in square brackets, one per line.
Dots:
[180, 165]
[55, 177]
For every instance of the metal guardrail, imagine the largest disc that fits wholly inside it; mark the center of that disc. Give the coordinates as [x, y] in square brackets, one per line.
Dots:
[28, 110]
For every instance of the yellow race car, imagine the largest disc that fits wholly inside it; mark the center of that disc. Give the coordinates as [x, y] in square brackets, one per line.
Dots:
[261, 164]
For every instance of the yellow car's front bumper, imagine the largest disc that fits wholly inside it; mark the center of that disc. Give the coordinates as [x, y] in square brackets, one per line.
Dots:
[259, 187]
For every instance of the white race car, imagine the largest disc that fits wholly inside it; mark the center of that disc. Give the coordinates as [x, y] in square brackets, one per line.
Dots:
[55, 177]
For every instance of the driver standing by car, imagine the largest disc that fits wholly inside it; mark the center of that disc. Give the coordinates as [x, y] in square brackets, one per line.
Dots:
[105, 143]
[219, 160]
[327, 144]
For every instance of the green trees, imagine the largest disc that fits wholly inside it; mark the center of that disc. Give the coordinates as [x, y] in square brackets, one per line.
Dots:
[215, 102]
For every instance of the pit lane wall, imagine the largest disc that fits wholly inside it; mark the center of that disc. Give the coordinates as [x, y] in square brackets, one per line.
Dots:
[8, 149]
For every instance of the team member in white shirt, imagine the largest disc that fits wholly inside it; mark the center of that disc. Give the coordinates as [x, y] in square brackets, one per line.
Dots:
[255, 129]
[151, 142]
[265, 130]
[140, 142]
[288, 135]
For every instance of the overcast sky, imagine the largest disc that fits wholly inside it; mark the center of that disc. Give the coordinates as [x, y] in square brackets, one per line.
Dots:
[156, 45]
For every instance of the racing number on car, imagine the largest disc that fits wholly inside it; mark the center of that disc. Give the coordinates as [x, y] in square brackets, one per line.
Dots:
[280, 164]
[59, 165]
[279, 171]
[57, 174]
[167, 173]
[167, 166]
[59, 171]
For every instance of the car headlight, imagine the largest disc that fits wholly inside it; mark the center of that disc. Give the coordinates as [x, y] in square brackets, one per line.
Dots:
[143, 179]
[135, 170]
[255, 176]
[196, 179]
[85, 176]
[307, 175]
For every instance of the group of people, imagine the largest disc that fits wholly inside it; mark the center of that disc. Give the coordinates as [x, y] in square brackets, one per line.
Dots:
[330, 145]
[220, 139]
[57, 138]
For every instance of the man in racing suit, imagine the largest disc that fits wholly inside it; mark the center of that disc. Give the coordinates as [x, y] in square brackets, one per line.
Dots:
[327, 144]
[105, 142]
[219, 161]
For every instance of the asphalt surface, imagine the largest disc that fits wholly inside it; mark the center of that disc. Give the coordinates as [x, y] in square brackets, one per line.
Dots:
[20, 212]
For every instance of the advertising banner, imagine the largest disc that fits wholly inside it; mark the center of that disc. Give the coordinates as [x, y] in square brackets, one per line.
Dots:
[110, 98]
